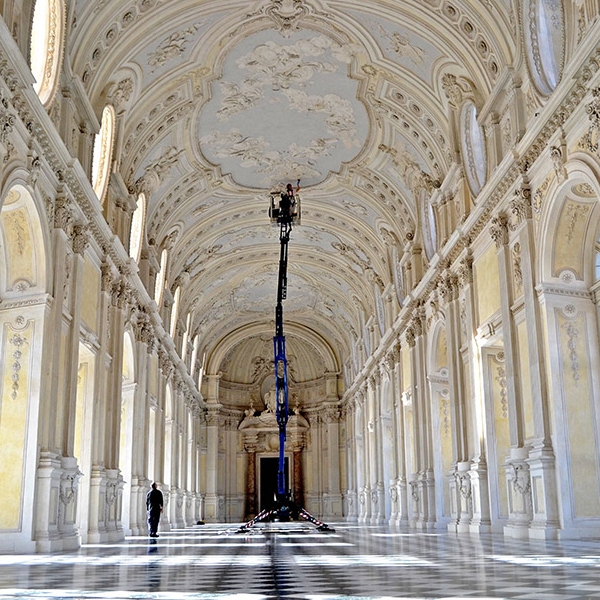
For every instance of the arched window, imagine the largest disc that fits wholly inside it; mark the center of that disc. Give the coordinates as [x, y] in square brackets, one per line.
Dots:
[159, 285]
[429, 227]
[597, 262]
[186, 337]
[398, 276]
[473, 148]
[201, 370]
[46, 47]
[175, 311]
[195, 351]
[103, 147]
[543, 23]
[137, 228]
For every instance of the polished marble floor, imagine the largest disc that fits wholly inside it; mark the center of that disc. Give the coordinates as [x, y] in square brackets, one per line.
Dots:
[295, 561]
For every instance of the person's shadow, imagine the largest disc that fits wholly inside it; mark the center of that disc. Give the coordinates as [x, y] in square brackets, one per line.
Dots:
[153, 574]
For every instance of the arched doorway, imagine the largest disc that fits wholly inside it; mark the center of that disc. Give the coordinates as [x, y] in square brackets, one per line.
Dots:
[23, 311]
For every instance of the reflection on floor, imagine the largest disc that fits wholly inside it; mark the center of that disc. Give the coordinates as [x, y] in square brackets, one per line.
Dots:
[295, 561]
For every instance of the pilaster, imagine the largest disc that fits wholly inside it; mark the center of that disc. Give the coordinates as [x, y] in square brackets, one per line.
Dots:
[541, 458]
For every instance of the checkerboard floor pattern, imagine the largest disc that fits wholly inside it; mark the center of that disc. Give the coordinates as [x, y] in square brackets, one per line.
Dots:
[294, 561]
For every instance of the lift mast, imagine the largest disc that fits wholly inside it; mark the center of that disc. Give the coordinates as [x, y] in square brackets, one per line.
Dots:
[284, 211]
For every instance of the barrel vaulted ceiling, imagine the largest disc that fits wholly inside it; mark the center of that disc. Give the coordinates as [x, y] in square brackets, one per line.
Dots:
[220, 102]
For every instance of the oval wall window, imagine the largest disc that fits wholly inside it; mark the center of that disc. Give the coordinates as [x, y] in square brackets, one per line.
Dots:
[473, 148]
[46, 47]
[103, 146]
[137, 228]
[544, 32]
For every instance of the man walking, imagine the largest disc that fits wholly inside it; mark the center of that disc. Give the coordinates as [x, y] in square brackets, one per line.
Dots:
[154, 505]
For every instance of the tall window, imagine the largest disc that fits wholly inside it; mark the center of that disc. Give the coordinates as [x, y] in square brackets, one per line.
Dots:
[175, 311]
[195, 355]
[103, 147]
[46, 47]
[186, 337]
[429, 227]
[159, 286]
[137, 228]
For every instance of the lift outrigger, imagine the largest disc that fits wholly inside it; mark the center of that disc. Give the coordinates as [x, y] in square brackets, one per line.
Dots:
[284, 211]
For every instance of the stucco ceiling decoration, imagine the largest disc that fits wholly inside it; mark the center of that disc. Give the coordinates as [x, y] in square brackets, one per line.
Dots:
[220, 102]
[284, 109]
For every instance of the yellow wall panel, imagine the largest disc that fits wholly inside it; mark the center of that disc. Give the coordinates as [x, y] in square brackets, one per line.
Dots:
[91, 294]
[442, 351]
[580, 418]
[20, 254]
[571, 230]
[153, 384]
[405, 359]
[487, 285]
[525, 379]
[497, 374]
[446, 445]
[82, 376]
[13, 422]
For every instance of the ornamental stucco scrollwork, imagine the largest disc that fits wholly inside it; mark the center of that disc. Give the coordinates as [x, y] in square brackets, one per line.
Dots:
[410, 336]
[517, 268]
[80, 238]
[502, 383]
[120, 93]
[119, 294]
[570, 328]
[558, 161]
[417, 325]
[7, 120]
[457, 89]
[106, 279]
[68, 487]
[521, 482]
[63, 215]
[287, 14]
[18, 341]
[112, 492]
[538, 198]
[463, 317]
[465, 271]
[520, 205]
[499, 230]
[414, 490]
[574, 211]
[331, 415]
[590, 139]
[172, 47]
[463, 484]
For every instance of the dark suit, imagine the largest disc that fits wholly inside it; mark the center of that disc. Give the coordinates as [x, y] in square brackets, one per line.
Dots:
[154, 505]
